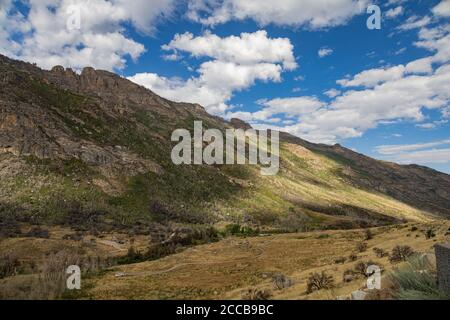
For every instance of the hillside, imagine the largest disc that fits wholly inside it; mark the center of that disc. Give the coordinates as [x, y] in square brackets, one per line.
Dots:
[93, 151]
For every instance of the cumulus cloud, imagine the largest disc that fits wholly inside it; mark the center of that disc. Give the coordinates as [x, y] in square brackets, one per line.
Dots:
[310, 13]
[236, 64]
[248, 48]
[442, 9]
[96, 37]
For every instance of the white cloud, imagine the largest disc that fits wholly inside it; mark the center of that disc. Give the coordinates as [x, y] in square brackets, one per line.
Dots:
[310, 13]
[394, 12]
[446, 112]
[172, 57]
[431, 125]
[295, 106]
[248, 48]
[442, 9]
[400, 51]
[423, 65]
[236, 64]
[415, 22]
[332, 93]
[43, 36]
[371, 78]
[422, 153]
[395, 149]
[356, 111]
[323, 52]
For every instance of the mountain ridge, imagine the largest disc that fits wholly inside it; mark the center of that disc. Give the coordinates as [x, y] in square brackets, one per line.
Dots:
[103, 142]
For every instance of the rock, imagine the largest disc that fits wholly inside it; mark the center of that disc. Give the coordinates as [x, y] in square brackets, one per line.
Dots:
[359, 295]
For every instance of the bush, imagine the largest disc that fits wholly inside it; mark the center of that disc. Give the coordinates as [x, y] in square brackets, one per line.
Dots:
[368, 235]
[361, 247]
[361, 268]
[280, 281]
[319, 281]
[238, 230]
[353, 257]
[38, 232]
[413, 229]
[257, 294]
[340, 260]
[429, 234]
[416, 281]
[380, 253]
[401, 253]
[160, 250]
[133, 256]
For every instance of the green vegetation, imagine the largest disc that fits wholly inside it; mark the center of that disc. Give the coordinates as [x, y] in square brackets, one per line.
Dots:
[416, 281]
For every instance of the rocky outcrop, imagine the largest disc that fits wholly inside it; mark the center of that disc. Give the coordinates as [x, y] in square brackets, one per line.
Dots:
[239, 124]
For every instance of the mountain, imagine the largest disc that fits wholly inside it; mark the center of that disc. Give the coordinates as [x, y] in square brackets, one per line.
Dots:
[92, 150]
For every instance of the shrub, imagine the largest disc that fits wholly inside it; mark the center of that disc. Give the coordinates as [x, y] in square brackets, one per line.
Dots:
[413, 229]
[38, 232]
[416, 281]
[353, 257]
[257, 294]
[280, 281]
[401, 253]
[429, 234]
[380, 253]
[340, 260]
[160, 250]
[238, 230]
[132, 256]
[368, 235]
[361, 247]
[319, 281]
[361, 268]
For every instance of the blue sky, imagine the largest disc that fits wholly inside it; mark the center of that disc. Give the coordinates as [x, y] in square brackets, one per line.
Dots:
[311, 68]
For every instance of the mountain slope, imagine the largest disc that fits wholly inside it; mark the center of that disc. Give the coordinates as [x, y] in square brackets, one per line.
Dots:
[93, 150]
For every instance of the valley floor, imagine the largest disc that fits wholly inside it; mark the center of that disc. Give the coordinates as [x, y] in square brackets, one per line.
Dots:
[230, 268]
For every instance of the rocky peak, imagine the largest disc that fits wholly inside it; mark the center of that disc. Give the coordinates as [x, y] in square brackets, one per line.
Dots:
[240, 124]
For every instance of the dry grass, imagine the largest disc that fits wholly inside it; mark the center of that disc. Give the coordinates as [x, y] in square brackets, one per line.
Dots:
[225, 269]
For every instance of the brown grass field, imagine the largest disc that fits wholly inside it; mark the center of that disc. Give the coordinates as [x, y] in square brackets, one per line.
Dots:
[227, 269]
